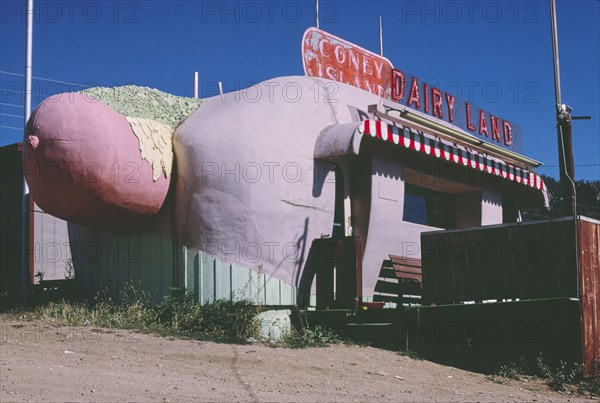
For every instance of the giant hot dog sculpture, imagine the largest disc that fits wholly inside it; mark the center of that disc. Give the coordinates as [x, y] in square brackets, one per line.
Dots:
[246, 186]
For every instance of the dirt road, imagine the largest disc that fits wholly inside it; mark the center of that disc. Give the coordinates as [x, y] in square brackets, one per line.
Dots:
[39, 362]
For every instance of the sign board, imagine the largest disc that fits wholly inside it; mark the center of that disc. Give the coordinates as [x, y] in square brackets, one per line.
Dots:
[327, 56]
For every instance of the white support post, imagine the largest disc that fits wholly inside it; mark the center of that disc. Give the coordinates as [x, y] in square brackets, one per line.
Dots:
[317, 13]
[380, 37]
[25, 196]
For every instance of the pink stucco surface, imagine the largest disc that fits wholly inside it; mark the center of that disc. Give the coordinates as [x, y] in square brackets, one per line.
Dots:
[82, 163]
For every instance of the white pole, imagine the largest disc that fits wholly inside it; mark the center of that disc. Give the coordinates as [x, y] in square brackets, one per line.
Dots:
[28, 60]
[220, 88]
[558, 99]
[317, 13]
[25, 195]
[380, 37]
[196, 84]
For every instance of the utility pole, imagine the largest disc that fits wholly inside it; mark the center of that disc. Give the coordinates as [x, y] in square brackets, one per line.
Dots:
[563, 125]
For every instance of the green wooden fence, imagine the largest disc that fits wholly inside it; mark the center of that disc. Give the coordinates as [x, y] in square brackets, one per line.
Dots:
[107, 263]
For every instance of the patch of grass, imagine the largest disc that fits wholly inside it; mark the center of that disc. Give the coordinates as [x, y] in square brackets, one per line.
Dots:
[221, 320]
[302, 335]
[411, 354]
[562, 378]
[516, 370]
[230, 320]
[317, 336]
[590, 385]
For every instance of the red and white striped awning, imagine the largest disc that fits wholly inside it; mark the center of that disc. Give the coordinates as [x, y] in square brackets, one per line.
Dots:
[427, 144]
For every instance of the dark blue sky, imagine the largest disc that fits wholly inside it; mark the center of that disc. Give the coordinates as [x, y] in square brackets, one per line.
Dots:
[496, 54]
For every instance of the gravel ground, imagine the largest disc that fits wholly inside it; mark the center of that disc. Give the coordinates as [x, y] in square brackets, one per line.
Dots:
[39, 362]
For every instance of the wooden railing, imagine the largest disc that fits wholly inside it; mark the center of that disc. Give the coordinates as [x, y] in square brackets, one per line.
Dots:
[524, 261]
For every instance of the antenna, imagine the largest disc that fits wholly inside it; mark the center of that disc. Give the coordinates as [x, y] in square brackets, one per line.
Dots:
[380, 37]
[317, 13]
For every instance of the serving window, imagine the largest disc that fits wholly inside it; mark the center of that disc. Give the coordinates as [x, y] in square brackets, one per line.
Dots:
[428, 207]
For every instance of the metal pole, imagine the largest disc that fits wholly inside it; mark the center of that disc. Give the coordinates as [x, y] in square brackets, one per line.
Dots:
[196, 84]
[563, 124]
[220, 88]
[25, 196]
[317, 13]
[380, 37]
[555, 54]
[565, 151]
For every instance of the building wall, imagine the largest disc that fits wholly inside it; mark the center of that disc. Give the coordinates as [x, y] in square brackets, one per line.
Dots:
[248, 189]
[476, 203]
[491, 207]
[387, 232]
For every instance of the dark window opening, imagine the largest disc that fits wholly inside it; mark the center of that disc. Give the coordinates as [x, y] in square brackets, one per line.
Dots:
[510, 212]
[428, 207]
[338, 214]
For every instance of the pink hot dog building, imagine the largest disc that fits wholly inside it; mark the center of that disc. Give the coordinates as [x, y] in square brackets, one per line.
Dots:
[355, 154]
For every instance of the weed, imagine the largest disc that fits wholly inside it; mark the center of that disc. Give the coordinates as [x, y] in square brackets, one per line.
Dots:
[513, 369]
[230, 320]
[558, 378]
[563, 378]
[69, 270]
[303, 336]
[411, 354]
[317, 336]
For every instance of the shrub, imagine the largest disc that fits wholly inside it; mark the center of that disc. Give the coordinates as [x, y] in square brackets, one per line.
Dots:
[230, 320]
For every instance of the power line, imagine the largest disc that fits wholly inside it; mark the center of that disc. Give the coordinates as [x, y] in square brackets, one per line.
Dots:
[13, 116]
[11, 127]
[45, 79]
[14, 105]
[20, 92]
[12, 74]
[577, 165]
[15, 91]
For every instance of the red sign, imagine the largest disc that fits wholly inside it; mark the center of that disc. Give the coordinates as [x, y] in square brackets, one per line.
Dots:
[417, 94]
[327, 56]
